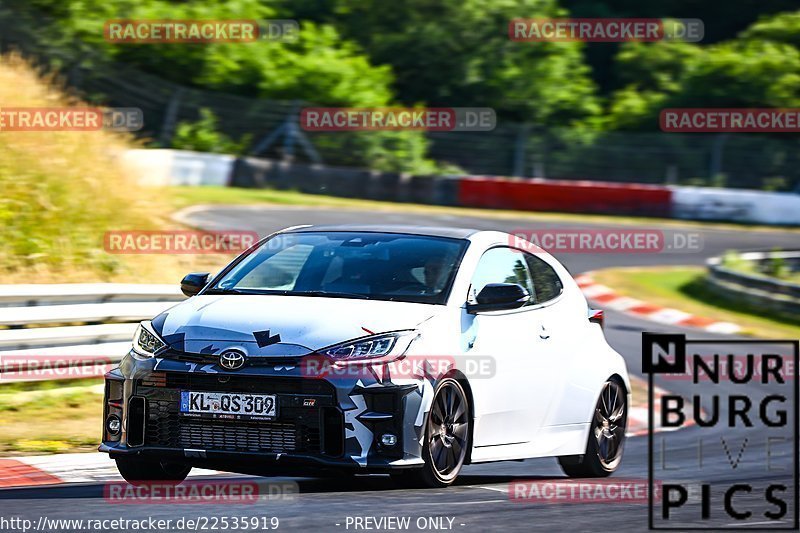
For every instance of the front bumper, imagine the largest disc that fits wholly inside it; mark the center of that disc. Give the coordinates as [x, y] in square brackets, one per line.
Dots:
[322, 423]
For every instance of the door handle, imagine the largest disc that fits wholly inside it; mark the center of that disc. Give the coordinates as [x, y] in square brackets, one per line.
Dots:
[543, 334]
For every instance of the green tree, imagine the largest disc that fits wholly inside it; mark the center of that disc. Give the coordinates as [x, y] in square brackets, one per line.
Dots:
[321, 66]
[458, 53]
[204, 136]
[747, 72]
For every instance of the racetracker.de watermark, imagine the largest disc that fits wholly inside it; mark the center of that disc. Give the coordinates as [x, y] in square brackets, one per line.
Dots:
[431, 367]
[606, 241]
[729, 120]
[605, 30]
[178, 242]
[580, 491]
[71, 119]
[143, 31]
[397, 119]
[202, 491]
[33, 367]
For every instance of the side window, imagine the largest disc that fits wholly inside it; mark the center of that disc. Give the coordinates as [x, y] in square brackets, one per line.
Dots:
[501, 265]
[547, 283]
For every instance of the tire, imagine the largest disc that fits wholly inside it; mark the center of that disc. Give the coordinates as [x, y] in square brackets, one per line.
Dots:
[447, 439]
[606, 436]
[139, 471]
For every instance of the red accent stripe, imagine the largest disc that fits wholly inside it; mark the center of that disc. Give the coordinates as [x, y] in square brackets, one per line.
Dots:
[18, 474]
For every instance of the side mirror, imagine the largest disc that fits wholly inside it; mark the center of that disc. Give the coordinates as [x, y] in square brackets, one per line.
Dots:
[194, 283]
[499, 297]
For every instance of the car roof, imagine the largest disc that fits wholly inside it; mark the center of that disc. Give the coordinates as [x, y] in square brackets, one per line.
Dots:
[428, 231]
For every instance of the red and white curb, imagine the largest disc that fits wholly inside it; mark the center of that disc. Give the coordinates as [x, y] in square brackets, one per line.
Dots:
[65, 468]
[607, 298]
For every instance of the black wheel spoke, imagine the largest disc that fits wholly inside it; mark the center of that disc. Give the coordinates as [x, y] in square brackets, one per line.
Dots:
[451, 459]
[442, 408]
[437, 449]
[598, 418]
[456, 450]
[460, 412]
[436, 413]
[598, 435]
[450, 399]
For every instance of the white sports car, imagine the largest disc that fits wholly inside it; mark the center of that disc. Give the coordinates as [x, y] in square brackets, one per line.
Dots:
[404, 350]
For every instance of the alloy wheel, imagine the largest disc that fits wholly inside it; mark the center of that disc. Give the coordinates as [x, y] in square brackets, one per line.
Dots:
[609, 424]
[448, 430]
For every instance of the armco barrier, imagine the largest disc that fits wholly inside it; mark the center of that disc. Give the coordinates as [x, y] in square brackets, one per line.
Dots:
[759, 207]
[761, 291]
[345, 182]
[179, 167]
[108, 314]
[194, 168]
[565, 196]
[34, 294]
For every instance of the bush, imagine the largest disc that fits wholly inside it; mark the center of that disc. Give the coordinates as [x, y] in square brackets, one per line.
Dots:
[204, 136]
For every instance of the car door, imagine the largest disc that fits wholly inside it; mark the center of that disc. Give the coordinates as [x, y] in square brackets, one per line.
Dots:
[512, 404]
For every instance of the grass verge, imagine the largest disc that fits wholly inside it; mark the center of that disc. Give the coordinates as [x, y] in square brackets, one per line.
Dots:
[46, 417]
[684, 288]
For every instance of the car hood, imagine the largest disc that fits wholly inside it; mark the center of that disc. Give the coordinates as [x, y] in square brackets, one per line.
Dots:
[271, 325]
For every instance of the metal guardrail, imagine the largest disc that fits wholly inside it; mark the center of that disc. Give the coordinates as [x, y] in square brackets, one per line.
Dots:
[47, 294]
[37, 317]
[779, 295]
[80, 313]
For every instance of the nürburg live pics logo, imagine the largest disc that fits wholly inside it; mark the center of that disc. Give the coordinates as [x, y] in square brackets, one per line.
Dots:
[726, 453]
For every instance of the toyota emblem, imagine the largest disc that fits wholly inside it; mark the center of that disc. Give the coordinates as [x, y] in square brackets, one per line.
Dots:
[232, 360]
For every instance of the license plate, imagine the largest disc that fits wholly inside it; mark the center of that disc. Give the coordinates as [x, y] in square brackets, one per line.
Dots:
[228, 405]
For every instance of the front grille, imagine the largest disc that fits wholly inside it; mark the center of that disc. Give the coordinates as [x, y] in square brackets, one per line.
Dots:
[165, 427]
[298, 428]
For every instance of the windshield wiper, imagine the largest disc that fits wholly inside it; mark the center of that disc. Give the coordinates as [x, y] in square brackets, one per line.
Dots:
[289, 293]
[328, 294]
[225, 291]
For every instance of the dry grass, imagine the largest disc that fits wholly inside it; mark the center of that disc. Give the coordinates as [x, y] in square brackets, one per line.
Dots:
[50, 417]
[61, 191]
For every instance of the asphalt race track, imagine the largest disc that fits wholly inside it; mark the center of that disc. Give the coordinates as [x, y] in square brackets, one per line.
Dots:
[480, 501]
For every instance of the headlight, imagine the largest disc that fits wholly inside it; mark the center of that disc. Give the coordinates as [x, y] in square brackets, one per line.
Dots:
[145, 341]
[387, 346]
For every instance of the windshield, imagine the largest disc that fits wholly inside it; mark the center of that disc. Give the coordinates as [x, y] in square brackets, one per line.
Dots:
[380, 266]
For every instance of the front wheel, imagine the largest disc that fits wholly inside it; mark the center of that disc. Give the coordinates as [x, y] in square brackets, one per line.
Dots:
[606, 436]
[446, 439]
[139, 471]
